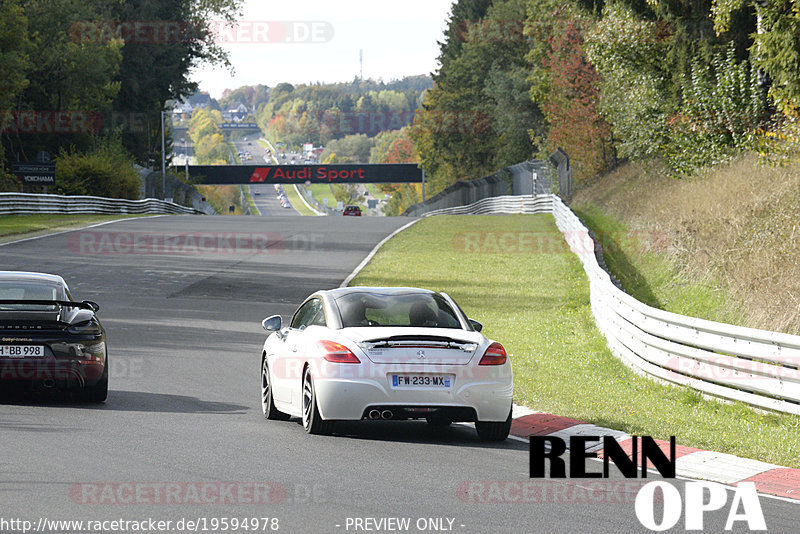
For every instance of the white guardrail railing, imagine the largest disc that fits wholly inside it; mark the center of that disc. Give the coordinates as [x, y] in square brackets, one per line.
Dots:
[757, 367]
[29, 203]
[505, 204]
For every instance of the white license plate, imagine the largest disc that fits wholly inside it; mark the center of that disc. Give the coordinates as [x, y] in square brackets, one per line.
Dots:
[421, 381]
[21, 351]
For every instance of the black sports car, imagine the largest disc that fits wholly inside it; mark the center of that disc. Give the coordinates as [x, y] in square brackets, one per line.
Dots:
[47, 340]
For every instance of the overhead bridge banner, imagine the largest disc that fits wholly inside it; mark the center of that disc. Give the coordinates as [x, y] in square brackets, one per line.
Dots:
[239, 126]
[316, 174]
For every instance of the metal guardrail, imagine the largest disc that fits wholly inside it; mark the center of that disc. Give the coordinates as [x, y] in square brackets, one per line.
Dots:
[308, 199]
[508, 204]
[29, 203]
[757, 367]
[526, 178]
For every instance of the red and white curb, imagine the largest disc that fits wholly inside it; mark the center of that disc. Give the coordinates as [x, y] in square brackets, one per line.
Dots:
[694, 463]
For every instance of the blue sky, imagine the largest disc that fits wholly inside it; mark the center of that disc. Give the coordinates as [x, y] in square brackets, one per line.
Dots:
[398, 39]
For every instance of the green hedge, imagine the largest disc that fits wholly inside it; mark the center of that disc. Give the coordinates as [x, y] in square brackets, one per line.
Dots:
[107, 171]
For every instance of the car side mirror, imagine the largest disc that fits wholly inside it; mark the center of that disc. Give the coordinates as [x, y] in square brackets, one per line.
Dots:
[272, 323]
[476, 325]
[93, 305]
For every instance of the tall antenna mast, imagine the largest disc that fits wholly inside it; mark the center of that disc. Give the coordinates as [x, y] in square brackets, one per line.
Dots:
[361, 60]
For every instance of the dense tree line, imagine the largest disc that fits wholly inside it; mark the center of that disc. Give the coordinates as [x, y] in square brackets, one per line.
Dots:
[478, 116]
[397, 147]
[90, 76]
[320, 113]
[210, 145]
[691, 82]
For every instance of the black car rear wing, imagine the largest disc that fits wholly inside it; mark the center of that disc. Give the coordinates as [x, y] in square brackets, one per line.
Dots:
[86, 304]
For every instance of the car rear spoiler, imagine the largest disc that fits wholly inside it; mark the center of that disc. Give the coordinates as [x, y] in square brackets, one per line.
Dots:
[86, 304]
[423, 341]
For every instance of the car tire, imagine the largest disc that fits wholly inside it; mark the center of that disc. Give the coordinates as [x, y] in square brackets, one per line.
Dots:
[267, 404]
[312, 421]
[99, 392]
[494, 431]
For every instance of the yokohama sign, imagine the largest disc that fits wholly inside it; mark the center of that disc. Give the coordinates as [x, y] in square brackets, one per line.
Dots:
[291, 174]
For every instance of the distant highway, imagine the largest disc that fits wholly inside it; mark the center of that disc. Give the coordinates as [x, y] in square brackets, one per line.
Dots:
[264, 195]
[266, 199]
[250, 143]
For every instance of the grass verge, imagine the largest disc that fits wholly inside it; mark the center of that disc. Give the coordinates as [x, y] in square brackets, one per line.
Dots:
[18, 226]
[295, 200]
[234, 154]
[534, 298]
[636, 258]
[731, 231]
[322, 191]
[250, 201]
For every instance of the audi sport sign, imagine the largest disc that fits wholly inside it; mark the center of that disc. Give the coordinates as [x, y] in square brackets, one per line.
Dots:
[316, 174]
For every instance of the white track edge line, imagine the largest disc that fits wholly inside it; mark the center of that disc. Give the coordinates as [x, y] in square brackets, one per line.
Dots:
[78, 228]
[312, 208]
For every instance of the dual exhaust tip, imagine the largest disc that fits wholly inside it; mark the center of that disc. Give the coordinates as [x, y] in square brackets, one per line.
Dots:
[377, 414]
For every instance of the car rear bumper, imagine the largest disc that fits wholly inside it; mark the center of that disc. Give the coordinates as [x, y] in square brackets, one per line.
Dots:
[55, 372]
[349, 399]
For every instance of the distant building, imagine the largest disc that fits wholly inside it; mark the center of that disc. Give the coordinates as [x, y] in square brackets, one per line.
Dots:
[201, 99]
[237, 114]
[182, 107]
[187, 105]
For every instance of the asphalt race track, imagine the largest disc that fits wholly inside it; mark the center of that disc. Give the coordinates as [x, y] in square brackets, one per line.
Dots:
[267, 201]
[184, 410]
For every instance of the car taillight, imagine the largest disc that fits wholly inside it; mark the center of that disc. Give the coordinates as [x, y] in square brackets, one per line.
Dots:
[337, 353]
[494, 355]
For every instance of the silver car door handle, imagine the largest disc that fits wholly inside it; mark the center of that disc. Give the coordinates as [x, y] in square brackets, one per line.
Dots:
[293, 348]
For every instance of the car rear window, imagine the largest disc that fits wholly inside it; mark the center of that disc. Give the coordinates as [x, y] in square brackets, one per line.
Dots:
[26, 290]
[397, 309]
